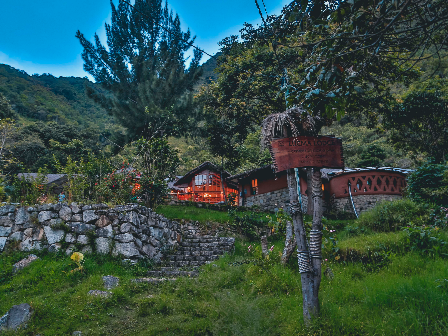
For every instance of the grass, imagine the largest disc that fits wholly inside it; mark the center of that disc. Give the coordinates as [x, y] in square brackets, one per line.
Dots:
[238, 295]
[192, 213]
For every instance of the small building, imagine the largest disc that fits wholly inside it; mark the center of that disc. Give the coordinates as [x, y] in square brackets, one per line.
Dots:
[53, 183]
[269, 190]
[203, 184]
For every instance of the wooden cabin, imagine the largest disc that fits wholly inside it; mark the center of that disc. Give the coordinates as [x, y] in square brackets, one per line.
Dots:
[203, 184]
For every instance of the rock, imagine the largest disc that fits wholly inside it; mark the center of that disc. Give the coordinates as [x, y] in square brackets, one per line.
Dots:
[6, 221]
[99, 293]
[152, 280]
[38, 234]
[89, 216]
[2, 243]
[80, 227]
[105, 232]
[86, 207]
[22, 216]
[56, 222]
[138, 242]
[16, 236]
[53, 236]
[75, 208]
[44, 216]
[126, 227]
[83, 239]
[132, 217]
[70, 249]
[150, 251]
[127, 250]
[7, 209]
[28, 233]
[124, 238]
[16, 317]
[65, 213]
[87, 249]
[102, 221]
[110, 281]
[5, 231]
[103, 245]
[54, 247]
[99, 206]
[129, 262]
[77, 333]
[24, 263]
[77, 218]
[26, 245]
[70, 238]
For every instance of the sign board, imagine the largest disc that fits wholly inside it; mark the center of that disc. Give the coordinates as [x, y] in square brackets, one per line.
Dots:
[307, 151]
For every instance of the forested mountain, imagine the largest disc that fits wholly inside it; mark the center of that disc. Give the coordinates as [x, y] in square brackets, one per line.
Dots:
[48, 98]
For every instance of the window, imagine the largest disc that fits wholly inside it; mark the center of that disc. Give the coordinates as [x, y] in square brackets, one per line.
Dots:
[254, 186]
[214, 182]
[200, 182]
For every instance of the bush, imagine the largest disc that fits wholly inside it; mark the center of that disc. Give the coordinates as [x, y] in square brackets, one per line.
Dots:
[429, 184]
[391, 216]
[249, 224]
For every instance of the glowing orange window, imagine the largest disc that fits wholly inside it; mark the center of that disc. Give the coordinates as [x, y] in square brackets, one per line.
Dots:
[254, 186]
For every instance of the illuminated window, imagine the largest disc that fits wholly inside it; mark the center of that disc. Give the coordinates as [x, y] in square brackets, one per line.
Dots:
[214, 182]
[254, 186]
[200, 182]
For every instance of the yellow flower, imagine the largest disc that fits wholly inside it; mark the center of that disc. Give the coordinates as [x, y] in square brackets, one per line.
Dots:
[337, 258]
[77, 257]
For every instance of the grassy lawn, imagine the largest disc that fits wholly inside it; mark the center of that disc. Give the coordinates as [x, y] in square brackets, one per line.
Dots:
[238, 295]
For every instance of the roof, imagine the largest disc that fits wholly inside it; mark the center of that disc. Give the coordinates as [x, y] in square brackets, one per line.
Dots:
[50, 178]
[327, 173]
[206, 165]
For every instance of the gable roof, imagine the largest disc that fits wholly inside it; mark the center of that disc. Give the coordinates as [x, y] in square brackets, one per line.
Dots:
[50, 178]
[206, 165]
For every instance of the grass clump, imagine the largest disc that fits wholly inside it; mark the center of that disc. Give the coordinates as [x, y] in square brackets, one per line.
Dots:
[192, 213]
[392, 216]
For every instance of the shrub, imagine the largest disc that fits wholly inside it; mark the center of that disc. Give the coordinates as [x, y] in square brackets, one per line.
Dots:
[249, 224]
[429, 184]
[391, 216]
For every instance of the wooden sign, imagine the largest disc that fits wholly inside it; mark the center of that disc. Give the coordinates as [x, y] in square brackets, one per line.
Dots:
[307, 151]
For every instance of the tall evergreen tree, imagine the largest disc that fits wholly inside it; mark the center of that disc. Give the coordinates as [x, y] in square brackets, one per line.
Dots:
[147, 84]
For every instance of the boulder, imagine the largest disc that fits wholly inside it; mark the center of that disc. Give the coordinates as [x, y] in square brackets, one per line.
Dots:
[80, 227]
[87, 249]
[126, 227]
[54, 247]
[105, 232]
[132, 217]
[7, 209]
[22, 216]
[103, 221]
[16, 236]
[124, 238]
[44, 216]
[127, 250]
[89, 216]
[65, 213]
[70, 238]
[16, 317]
[83, 239]
[77, 217]
[150, 251]
[53, 236]
[103, 245]
[24, 263]
[2, 243]
[75, 208]
[110, 281]
[5, 231]
[99, 293]
[6, 221]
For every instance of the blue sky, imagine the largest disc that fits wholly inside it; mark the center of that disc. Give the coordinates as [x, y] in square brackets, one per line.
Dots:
[39, 36]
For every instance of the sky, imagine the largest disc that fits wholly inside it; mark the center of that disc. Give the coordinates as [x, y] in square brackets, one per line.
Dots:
[39, 36]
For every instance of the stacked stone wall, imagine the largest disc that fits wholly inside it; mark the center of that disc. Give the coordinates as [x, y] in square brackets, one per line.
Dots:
[130, 231]
[362, 202]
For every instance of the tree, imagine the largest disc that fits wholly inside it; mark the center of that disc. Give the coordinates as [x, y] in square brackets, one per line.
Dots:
[142, 68]
[420, 121]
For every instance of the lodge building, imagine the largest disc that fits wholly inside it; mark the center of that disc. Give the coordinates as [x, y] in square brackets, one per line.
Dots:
[348, 190]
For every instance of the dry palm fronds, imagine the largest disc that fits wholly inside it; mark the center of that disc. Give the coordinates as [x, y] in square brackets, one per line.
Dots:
[297, 122]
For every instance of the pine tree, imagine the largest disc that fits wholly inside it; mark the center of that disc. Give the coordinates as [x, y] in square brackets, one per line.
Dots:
[148, 87]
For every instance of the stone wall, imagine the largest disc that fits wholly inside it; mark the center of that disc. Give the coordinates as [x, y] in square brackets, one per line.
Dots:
[130, 231]
[362, 202]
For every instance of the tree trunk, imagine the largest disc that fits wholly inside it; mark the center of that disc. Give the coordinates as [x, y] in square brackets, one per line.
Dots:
[290, 243]
[309, 178]
[310, 308]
